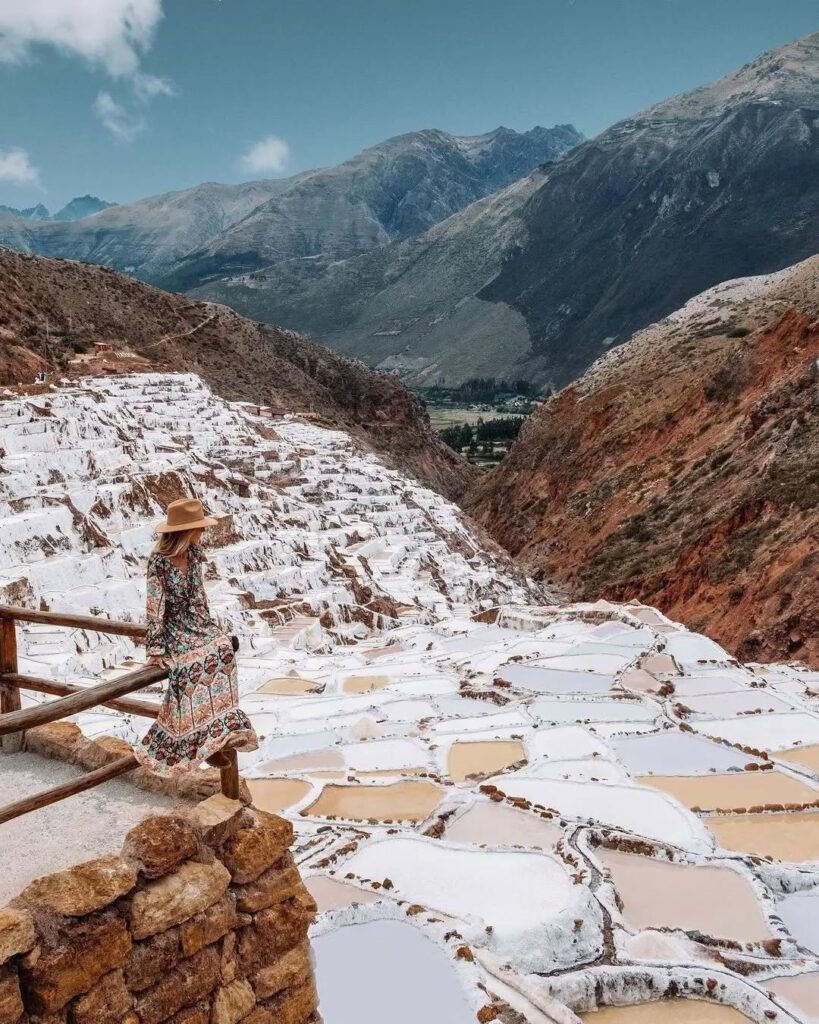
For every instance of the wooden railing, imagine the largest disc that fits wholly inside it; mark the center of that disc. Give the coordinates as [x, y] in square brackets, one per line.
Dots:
[15, 720]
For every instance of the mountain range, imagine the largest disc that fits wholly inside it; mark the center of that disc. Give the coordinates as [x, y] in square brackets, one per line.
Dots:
[393, 190]
[76, 209]
[682, 469]
[530, 254]
[540, 279]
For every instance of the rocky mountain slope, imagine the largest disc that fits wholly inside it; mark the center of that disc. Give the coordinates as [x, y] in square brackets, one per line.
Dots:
[53, 311]
[393, 190]
[411, 306]
[715, 184]
[623, 229]
[683, 468]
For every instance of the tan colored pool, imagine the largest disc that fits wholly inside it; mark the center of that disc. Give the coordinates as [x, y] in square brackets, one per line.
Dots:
[277, 794]
[492, 824]
[806, 757]
[802, 991]
[659, 663]
[308, 761]
[640, 680]
[658, 894]
[380, 652]
[735, 789]
[364, 684]
[671, 1011]
[330, 894]
[289, 686]
[482, 757]
[401, 801]
[790, 836]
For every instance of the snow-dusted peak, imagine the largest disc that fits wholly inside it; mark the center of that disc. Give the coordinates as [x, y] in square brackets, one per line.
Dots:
[788, 75]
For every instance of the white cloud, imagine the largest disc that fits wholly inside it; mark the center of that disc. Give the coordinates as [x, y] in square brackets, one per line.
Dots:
[119, 120]
[16, 167]
[146, 87]
[111, 33]
[269, 155]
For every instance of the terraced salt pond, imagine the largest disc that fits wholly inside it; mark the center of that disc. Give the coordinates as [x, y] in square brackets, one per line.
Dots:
[482, 758]
[716, 901]
[493, 824]
[365, 683]
[734, 790]
[678, 1011]
[370, 731]
[802, 757]
[289, 687]
[800, 992]
[399, 801]
[790, 837]
[520, 897]
[331, 894]
[800, 914]
[275, 795]
[413, 978]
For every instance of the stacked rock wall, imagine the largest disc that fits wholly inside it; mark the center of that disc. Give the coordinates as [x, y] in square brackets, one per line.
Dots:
[202, 919]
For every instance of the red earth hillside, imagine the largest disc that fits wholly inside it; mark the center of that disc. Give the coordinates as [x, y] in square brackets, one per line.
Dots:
[683, 469]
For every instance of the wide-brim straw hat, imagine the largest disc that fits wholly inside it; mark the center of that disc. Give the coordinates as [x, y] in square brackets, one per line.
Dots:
[185, 514]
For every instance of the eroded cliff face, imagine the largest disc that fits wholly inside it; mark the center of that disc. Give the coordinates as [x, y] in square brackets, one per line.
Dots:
[53, 311]
[683, 469]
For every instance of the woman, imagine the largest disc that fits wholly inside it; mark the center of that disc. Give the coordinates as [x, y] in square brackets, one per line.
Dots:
[200, 714]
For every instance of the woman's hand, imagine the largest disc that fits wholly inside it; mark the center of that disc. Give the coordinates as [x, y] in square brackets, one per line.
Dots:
[158, 660]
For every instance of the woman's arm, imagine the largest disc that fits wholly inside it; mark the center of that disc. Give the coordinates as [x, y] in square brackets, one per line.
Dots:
[155, 611]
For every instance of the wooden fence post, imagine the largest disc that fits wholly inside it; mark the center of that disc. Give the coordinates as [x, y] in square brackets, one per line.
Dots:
[9, 695]
[229, 775]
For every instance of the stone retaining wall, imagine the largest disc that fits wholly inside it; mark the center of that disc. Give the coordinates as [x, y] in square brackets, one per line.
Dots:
[202, 919]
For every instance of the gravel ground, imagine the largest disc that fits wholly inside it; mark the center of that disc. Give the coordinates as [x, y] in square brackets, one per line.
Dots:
[84, 826]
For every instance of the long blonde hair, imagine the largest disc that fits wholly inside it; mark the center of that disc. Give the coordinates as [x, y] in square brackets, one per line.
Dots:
[176, 543]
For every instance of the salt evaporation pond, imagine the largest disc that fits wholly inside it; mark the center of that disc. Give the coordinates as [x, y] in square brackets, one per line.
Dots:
[806, 757]
[386, 971]
[560, 711]
[676, 753]
[790, 837]
[734, 790]
[677, 1011]
[331, 894]
[365, 683]
[528, 899]
[550, 680]
[740, 702]
[399, 801]
[716, 901]
[635, 808]
[800, 915]
[492, 824]
[289, 686]
[765, 732]
[801, 991]
[276, 795]
[482, 758]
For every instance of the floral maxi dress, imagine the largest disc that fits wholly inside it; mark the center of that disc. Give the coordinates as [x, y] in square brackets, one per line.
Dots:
[200, 711]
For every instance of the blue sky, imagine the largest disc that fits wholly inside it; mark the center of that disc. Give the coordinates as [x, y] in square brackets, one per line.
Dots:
[126, 98]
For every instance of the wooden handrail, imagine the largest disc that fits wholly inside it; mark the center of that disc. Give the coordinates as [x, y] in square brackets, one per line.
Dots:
[87, 781]
[127, 705]
[97, 624]
[73, 699]
[82, 700]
